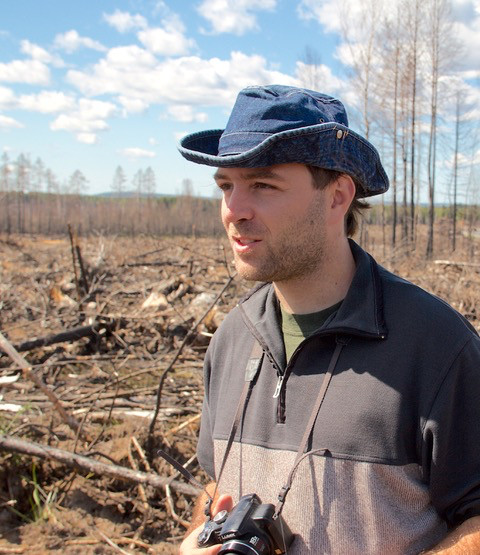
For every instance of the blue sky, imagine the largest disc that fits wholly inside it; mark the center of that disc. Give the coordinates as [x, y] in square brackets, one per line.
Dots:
[93, 85]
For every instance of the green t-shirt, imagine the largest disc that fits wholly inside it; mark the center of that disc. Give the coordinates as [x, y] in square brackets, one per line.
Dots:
[297, 327]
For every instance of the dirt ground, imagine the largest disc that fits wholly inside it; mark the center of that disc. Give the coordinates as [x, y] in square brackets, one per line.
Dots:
[142, 300]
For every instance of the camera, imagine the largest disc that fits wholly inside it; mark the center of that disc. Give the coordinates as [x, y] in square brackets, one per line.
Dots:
[249, 529]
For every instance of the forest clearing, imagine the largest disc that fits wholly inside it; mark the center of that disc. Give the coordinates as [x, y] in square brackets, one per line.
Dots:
[111, 328]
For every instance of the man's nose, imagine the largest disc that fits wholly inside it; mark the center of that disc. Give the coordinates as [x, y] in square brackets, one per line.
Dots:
[237, 206]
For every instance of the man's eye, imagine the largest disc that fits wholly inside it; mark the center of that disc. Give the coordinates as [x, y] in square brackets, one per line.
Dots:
[260, 185]
[224, 186]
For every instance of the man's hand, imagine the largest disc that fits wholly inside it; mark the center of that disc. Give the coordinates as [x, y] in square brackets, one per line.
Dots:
[189, 544]
[464, 540]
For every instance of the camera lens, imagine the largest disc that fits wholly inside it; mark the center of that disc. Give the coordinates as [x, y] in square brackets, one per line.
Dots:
[243, 548]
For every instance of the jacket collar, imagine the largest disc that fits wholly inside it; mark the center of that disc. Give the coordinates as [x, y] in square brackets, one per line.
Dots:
[360, 314]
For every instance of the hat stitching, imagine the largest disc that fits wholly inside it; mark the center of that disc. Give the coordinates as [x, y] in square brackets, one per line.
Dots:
[246, 132]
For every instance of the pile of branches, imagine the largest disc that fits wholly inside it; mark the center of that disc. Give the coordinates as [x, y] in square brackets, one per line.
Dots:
[101, 351]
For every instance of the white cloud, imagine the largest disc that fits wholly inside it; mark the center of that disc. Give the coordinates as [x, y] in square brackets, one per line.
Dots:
[465, 10]
[46, 102]
[471, 74]
[125, 21]
[135, 152]
[129, 57]
[72, 41]
[76, 122]
[327, 13]
[9, 123]
[168, 40]
[7, 98]
[186, 113]
[132, 105]
[86, 119]
[32, 72]
[464, 161]
[233, 16]
[91, 109]
[469, 36]
[196, 81]
[87, 138]
[38, 53]
[471, 115]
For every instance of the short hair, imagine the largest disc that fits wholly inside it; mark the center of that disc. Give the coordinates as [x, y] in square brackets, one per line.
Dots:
[322, 178]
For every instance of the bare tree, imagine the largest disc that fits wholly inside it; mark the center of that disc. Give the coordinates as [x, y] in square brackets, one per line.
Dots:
[187, 187]
[53, 187]
[119, 180]
[38, 175]
[455, 172]
[150, 181]
[23, 168]
[392, 36]
[414, 54]
[310, 69]
[77, 183]
[5, 186]
[137, 182]
[441, 52]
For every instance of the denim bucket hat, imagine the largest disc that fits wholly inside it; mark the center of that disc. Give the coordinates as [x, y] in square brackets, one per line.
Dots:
[277, 124]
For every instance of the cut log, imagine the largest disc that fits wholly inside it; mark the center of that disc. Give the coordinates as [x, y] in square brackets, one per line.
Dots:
[15, 445]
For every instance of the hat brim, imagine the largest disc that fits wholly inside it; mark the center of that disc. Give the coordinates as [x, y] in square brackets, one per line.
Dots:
[327, 145]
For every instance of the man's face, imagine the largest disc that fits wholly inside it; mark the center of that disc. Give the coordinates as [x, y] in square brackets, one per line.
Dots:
[275, 221]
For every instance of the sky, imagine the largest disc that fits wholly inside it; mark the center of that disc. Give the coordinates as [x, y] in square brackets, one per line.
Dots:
[96, 85]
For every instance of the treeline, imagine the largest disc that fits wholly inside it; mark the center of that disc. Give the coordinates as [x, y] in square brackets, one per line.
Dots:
[34, 200]
[49, 214]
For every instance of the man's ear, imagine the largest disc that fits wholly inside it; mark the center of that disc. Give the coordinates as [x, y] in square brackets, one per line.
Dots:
[342, 194]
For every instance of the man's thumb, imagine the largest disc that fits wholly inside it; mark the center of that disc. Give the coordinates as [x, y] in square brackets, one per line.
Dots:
[223, 503]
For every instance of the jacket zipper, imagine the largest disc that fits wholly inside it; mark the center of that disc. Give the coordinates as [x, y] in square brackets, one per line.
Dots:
[280, 390]
[282, 377]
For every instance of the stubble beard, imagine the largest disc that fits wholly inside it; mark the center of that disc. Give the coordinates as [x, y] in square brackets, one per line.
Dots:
[297, 252]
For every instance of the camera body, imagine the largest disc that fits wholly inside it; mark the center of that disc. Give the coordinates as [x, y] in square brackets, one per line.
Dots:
[248, 529]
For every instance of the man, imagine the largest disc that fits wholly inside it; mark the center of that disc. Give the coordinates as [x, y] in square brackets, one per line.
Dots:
[373, 377]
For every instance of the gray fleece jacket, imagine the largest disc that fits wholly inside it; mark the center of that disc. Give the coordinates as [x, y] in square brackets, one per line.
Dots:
[400, 420]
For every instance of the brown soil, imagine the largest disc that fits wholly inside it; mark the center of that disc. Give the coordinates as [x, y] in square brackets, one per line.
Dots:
[109, 381]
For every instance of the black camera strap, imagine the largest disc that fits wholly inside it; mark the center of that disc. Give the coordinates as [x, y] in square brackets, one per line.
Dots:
[253, 366]
[251, 371]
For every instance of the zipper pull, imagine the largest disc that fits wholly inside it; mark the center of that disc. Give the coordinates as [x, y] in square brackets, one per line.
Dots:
[279, 386]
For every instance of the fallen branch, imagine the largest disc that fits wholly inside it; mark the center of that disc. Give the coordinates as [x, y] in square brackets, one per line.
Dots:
[191, 420]
[81, 462]
[68, 335]
[457, 263]
[29, 374]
